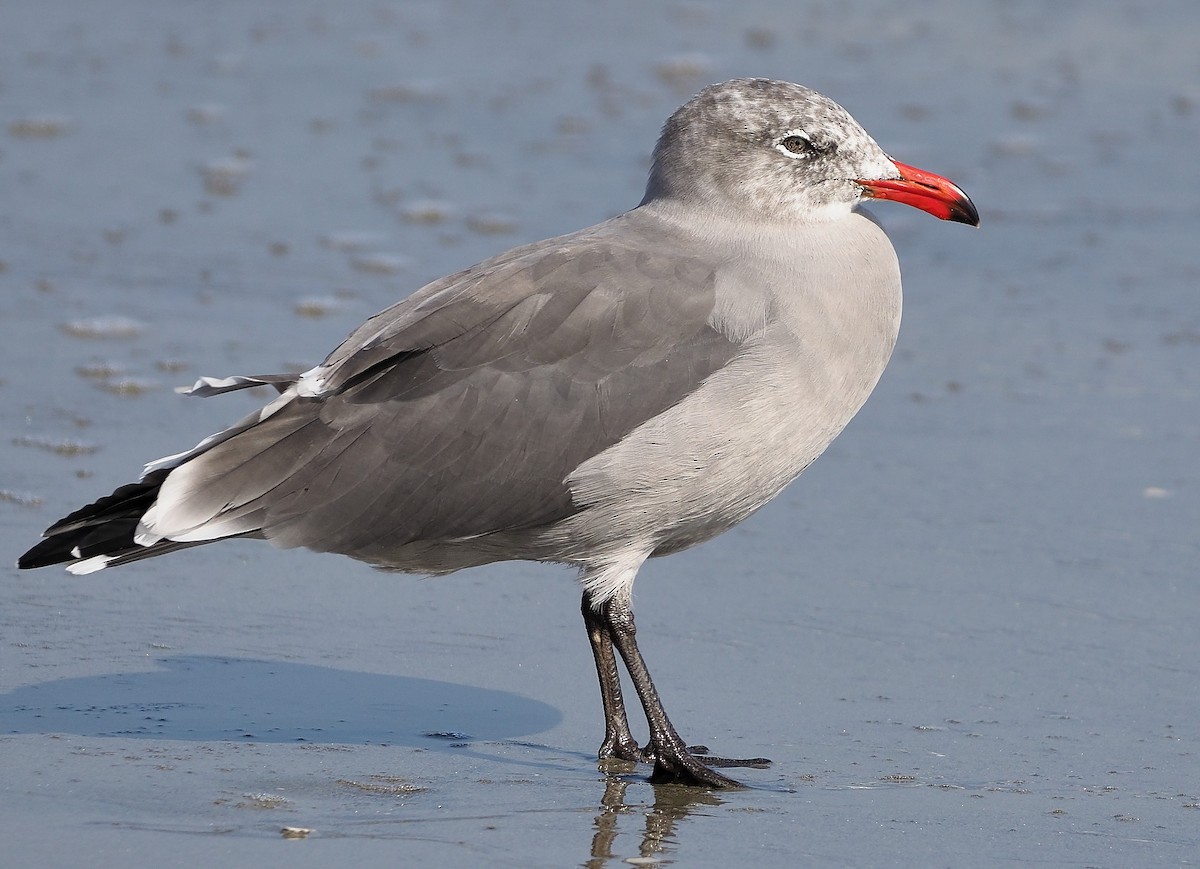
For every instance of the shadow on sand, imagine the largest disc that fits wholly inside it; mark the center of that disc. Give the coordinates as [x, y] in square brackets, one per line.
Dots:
[211, 698]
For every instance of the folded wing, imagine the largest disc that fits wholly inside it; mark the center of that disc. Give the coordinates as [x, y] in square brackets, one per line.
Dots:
[460, 411]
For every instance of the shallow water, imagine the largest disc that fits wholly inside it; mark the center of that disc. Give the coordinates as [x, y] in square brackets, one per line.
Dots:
[966, 636]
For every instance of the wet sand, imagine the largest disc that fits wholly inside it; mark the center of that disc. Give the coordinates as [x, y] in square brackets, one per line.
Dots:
[966, 636]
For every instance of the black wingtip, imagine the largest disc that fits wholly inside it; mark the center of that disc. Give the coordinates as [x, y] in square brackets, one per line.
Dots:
[50, 551]
[103, 527]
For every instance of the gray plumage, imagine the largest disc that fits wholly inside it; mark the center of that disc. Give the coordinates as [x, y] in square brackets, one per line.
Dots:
[621, 392]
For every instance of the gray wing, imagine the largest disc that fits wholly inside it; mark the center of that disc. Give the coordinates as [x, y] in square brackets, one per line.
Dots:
[462, 410]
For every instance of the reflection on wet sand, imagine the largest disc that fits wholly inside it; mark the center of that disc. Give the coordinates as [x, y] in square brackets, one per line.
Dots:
[672, 803]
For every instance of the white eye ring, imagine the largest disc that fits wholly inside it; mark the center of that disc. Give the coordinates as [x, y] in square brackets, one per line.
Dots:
[795, 144]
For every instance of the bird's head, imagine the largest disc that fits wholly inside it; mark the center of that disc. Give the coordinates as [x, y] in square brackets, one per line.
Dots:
[776, 151]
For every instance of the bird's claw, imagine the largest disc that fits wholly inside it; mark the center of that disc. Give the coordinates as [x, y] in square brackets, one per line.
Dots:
[687, 766]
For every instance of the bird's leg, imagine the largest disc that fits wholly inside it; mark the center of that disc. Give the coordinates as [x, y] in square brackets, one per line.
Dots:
[673, 762]
[618, 740]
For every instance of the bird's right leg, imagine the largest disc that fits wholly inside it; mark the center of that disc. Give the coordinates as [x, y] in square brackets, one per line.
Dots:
[673, 761]
[618, 740]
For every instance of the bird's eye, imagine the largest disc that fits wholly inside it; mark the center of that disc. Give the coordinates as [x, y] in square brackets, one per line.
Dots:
[795, 145]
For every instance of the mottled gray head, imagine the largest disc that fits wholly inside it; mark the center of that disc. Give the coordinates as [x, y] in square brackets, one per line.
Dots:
[769, 150]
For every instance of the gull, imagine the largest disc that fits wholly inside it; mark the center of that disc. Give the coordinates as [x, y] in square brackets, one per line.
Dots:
[596, 399]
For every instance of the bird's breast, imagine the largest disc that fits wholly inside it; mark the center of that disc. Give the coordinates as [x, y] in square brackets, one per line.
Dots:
[816, 319]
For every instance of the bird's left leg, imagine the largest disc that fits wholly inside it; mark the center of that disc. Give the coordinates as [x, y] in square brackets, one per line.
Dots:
[618, 740]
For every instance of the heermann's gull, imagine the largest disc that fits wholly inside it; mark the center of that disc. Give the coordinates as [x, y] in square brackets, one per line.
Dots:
[622, 392]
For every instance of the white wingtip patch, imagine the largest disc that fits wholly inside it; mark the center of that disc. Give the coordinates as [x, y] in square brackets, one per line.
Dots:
[90, 565]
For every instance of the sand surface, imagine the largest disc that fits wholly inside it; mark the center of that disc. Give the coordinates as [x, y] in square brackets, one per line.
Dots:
[967, 636]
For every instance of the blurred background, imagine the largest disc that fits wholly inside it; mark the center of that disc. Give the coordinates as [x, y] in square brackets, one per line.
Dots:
[967, 634]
